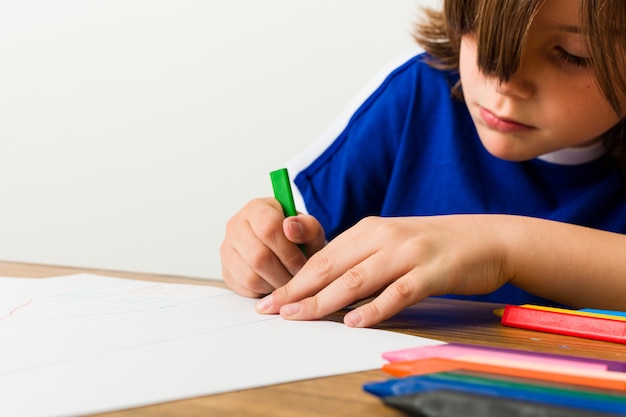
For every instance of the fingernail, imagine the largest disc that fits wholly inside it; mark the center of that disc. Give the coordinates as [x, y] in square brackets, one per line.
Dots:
[264, 304]
[295, 228]
[290, 309]
[352, 319]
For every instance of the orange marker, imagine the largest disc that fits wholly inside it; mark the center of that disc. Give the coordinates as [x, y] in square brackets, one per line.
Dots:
[522, 369]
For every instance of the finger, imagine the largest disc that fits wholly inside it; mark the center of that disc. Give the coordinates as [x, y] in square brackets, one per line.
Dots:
[305, 283]
[367, 277]
[363, 280]
[398, 295]
[268, 230]
[262, 263]
[321, 269]
[240, 278]
[355, 284]
[304, 229]
[243, 253]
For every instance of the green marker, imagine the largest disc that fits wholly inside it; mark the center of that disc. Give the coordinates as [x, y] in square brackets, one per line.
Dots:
[282, 191]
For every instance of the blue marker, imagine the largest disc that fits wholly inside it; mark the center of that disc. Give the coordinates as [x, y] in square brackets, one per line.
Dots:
[577, 398]
[607, 312]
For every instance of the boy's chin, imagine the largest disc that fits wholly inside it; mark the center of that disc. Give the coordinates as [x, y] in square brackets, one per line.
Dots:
[507, 151]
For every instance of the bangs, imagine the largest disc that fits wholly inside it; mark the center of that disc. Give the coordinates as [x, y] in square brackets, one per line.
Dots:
[500, 28]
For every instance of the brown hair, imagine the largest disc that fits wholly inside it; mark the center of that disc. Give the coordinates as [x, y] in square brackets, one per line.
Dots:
[501, 28]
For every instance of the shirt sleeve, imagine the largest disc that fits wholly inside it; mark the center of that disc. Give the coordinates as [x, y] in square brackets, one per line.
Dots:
[348, 176]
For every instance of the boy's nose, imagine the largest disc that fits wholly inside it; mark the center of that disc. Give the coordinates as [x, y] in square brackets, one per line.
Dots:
[519, 85]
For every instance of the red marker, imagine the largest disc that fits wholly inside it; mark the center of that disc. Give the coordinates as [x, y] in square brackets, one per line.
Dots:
[561, 322]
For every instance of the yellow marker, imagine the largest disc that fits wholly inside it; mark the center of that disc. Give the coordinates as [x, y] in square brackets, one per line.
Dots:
[499, 312]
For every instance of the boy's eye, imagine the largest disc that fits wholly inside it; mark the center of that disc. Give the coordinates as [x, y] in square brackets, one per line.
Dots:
[576, 60]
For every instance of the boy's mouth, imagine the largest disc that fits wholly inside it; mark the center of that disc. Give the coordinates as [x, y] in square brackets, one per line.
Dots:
[501, 124]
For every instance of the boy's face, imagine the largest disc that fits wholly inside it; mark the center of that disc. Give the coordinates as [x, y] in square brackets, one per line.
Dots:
[551, 102]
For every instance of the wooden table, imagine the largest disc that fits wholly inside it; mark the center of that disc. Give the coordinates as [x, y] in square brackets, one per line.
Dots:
[447, 320]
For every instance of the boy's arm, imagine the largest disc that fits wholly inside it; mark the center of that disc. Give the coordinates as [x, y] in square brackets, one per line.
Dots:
[576, 266]
[405, 260]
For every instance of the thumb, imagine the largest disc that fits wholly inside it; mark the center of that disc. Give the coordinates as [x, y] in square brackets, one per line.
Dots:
[304, 229]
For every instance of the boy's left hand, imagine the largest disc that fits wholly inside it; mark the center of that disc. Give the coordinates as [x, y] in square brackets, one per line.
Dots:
[408, 258]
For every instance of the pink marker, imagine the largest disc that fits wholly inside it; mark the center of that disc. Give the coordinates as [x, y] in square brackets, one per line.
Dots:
[457, 350]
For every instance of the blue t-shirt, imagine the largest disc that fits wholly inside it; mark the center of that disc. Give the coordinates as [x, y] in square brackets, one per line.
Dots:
[411, 149]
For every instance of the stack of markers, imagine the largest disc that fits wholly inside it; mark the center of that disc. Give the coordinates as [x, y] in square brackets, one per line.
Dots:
[473, 381]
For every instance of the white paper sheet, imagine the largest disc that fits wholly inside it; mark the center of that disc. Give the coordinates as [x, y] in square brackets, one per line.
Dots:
[83, 344]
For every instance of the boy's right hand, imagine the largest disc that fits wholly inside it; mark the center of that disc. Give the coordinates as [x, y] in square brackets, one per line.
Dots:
[260, 249]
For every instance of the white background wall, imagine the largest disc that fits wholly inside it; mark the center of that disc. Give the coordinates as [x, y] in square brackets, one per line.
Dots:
[131, 130]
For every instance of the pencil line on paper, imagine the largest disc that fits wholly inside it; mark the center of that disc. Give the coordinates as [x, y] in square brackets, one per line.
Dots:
[15, 310]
